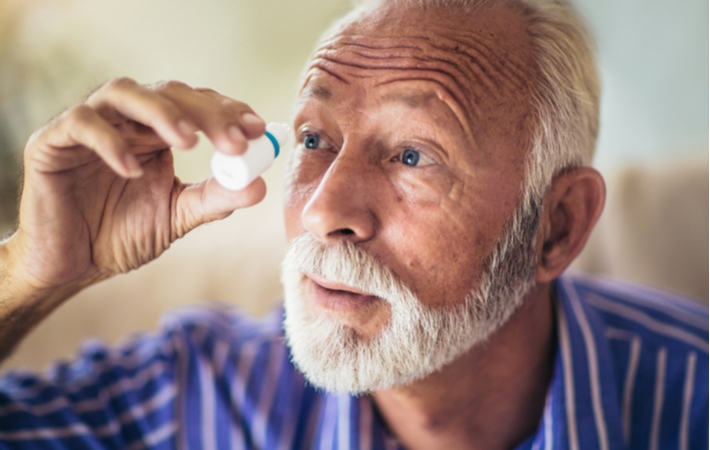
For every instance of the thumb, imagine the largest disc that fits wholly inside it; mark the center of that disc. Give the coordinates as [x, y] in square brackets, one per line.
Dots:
[206, 201]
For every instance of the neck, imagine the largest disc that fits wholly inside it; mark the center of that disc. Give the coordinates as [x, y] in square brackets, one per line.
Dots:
[491, 397]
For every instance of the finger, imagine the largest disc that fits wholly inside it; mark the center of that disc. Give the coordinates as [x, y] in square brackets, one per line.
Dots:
[208, 201]
[145, 106]
[83, 126]
[251, 124]
[229, 124]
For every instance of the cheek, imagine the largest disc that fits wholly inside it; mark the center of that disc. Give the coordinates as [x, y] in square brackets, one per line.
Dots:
[439, 252]
[421, 188]
[302, 180]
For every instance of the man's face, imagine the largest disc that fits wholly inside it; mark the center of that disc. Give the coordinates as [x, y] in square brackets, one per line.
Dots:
[412, 130]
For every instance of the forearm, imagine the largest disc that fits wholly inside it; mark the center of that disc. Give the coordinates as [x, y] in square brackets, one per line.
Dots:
[23, 305]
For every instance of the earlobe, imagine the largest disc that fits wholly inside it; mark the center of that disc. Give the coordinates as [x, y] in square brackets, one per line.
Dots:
[572, 207]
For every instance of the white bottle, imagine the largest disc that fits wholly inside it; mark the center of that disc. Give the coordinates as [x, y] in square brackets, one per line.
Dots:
[235, 172]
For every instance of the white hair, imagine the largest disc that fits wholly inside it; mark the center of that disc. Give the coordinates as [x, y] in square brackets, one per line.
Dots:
[418, 339]
[565, 94]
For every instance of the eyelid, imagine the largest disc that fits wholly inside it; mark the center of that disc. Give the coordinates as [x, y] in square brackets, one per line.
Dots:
[305, 131]
[423, 153]
[431, 161]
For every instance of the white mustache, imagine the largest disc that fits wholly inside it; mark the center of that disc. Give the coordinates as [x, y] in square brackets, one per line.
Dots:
[344, 263]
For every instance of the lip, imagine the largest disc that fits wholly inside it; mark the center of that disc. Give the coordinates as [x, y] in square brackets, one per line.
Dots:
[338, 297]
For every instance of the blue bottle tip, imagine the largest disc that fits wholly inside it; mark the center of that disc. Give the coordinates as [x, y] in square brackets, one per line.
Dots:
[275, 142]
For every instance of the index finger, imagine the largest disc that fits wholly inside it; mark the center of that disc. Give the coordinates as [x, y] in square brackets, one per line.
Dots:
[136, 102]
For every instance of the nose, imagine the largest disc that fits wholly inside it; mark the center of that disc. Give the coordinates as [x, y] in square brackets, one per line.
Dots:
[339, 208]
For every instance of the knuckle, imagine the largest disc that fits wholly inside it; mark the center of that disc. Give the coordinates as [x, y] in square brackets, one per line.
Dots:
[171, 85]
[208, 91]
[120, 83]
[77, 115]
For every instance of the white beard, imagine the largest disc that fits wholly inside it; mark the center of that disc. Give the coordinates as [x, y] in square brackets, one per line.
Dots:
[417, 340]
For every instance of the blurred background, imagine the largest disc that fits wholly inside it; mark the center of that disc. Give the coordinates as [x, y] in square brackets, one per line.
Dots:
[653, 146]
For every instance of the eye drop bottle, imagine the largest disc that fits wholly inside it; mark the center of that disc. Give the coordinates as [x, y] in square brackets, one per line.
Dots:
[235, 172]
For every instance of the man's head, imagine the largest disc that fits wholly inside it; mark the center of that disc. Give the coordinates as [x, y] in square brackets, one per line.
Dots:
[429, 134]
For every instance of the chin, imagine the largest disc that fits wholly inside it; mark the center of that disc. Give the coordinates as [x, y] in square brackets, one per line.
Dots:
[325, 335]
[414, 343]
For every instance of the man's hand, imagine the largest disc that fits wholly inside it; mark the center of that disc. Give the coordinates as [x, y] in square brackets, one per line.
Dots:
[100, 196]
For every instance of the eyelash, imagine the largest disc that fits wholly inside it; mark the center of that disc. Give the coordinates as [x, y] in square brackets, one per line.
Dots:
[405, 155]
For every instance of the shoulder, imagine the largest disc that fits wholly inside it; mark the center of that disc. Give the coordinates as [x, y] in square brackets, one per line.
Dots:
[656, 345]
[224, 341]
[225, 323]
[659, 318]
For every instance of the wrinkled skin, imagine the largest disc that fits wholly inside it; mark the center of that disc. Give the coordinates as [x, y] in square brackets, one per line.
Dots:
[461, 99]
[455, 88]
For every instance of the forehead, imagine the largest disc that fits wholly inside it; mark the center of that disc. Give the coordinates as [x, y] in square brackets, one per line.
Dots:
[479, 62]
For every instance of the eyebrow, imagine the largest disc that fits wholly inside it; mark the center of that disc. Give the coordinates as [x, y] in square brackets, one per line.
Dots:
[410, 99]
[319, 92]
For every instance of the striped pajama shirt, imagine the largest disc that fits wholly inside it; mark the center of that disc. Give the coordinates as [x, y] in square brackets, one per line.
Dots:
[631, 371]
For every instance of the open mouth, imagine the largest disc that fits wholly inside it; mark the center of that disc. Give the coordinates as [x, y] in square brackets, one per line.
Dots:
[338, 297]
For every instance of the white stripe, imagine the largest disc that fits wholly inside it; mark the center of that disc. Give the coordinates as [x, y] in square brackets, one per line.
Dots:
[154, 437]
[239, 386]
[629, 382]
[221, 351]
[114, 358]
[343, 422]
[548, 423]
[114, 390]
[688, 388]
[236, 439]
[267, 394]
[630, 379]
[618, 333]
[658, 397]
[131, 415]
[314, 416]
[78, 429]
[648, 322]
[288, 427]
[593, 362]
[568, 380]
[137, 412]
[205, 380]
[181, 380]
[327, 433]
[658, 300]
[365, 434]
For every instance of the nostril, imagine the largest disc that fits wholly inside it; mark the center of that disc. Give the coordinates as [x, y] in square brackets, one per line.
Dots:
[342, 232]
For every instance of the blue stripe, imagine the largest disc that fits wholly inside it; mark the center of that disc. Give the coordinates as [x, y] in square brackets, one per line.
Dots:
[196, 369]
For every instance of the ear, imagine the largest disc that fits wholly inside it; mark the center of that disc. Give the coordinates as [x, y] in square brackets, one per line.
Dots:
[573, 205]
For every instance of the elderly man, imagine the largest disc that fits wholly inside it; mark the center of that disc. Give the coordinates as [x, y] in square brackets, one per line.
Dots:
[439, 189]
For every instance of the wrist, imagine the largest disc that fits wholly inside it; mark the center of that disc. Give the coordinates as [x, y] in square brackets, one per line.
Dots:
[18, 285]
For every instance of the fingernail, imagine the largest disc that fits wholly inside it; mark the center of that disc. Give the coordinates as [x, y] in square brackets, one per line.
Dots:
[235, 134]
[186, 129]
[251, 119]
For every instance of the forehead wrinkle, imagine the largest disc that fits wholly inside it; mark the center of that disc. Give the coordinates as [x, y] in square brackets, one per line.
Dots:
[448, 52]
[470, 59]
[460, 113]
[516, 72]
[455, 75]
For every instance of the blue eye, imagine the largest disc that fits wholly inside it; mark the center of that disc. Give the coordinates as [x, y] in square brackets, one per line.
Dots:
[311, 141]
[410, 157]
